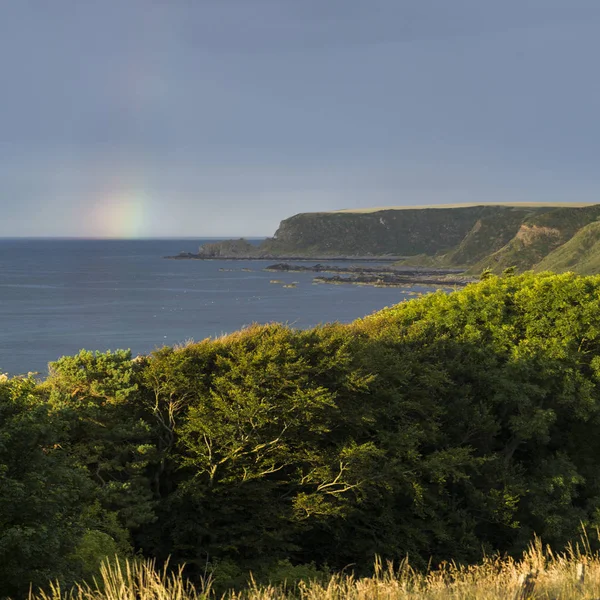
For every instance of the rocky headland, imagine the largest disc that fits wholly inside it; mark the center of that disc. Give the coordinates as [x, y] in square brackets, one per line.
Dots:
[471, 238]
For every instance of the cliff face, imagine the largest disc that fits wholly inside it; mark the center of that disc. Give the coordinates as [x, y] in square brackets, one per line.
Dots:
[472, 237]
[228, 248]
[406, 232]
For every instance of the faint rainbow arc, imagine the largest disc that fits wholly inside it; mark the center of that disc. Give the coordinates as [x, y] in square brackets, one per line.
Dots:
[120, 215]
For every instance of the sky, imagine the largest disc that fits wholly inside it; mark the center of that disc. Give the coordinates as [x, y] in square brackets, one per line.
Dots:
[143, 118]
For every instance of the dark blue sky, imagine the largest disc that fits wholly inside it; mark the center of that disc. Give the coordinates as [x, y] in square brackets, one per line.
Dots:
[221, 117]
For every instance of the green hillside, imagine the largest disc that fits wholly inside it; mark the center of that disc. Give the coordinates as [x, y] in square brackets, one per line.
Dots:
[489, 234]
[539, 236]
[580, 254]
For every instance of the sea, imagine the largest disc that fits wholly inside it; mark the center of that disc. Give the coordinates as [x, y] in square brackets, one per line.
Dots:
[58, 296]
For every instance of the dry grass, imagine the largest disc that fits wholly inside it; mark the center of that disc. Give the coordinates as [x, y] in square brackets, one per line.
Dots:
[139, 580]
[569, 576]
[468, 205]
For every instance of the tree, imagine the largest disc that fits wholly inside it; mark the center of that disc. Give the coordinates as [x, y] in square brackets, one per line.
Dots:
[108, 434]
[42, 492]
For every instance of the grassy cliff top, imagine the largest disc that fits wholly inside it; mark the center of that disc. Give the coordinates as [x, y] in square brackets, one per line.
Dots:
[466, 205]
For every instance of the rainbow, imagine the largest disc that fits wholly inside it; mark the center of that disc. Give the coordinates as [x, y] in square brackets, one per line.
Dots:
[120, 215]
[122, 206]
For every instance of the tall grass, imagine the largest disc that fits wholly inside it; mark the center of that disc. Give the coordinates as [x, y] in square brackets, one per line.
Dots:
[567, 576]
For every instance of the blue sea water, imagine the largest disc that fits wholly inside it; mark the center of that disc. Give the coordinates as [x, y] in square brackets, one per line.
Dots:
[58, 296]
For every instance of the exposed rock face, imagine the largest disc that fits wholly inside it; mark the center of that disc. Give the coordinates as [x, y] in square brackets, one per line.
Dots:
[529, 233]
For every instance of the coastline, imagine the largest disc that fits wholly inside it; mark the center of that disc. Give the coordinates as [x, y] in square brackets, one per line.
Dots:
[377, 276]
[391, 281]
[192, 256]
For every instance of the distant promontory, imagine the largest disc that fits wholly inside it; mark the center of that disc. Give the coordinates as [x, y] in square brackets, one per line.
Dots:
[473, 237]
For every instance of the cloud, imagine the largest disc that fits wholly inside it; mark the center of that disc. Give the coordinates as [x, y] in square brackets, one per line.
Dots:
[228, 116]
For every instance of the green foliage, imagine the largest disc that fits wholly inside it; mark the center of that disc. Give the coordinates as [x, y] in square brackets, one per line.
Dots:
[94, 546]
[518, 356]
[227, 575]
[108, 432]
[41, 492]
[259, 416]
[440, 428]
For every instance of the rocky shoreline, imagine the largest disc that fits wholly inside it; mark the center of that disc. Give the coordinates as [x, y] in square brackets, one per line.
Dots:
[378, 276]
[199, 256]
[383, 280]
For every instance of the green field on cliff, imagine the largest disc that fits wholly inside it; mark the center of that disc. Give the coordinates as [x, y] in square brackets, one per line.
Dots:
[461, 205]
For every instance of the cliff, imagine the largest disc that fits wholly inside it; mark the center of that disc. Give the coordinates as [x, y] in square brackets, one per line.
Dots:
[473, 237]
